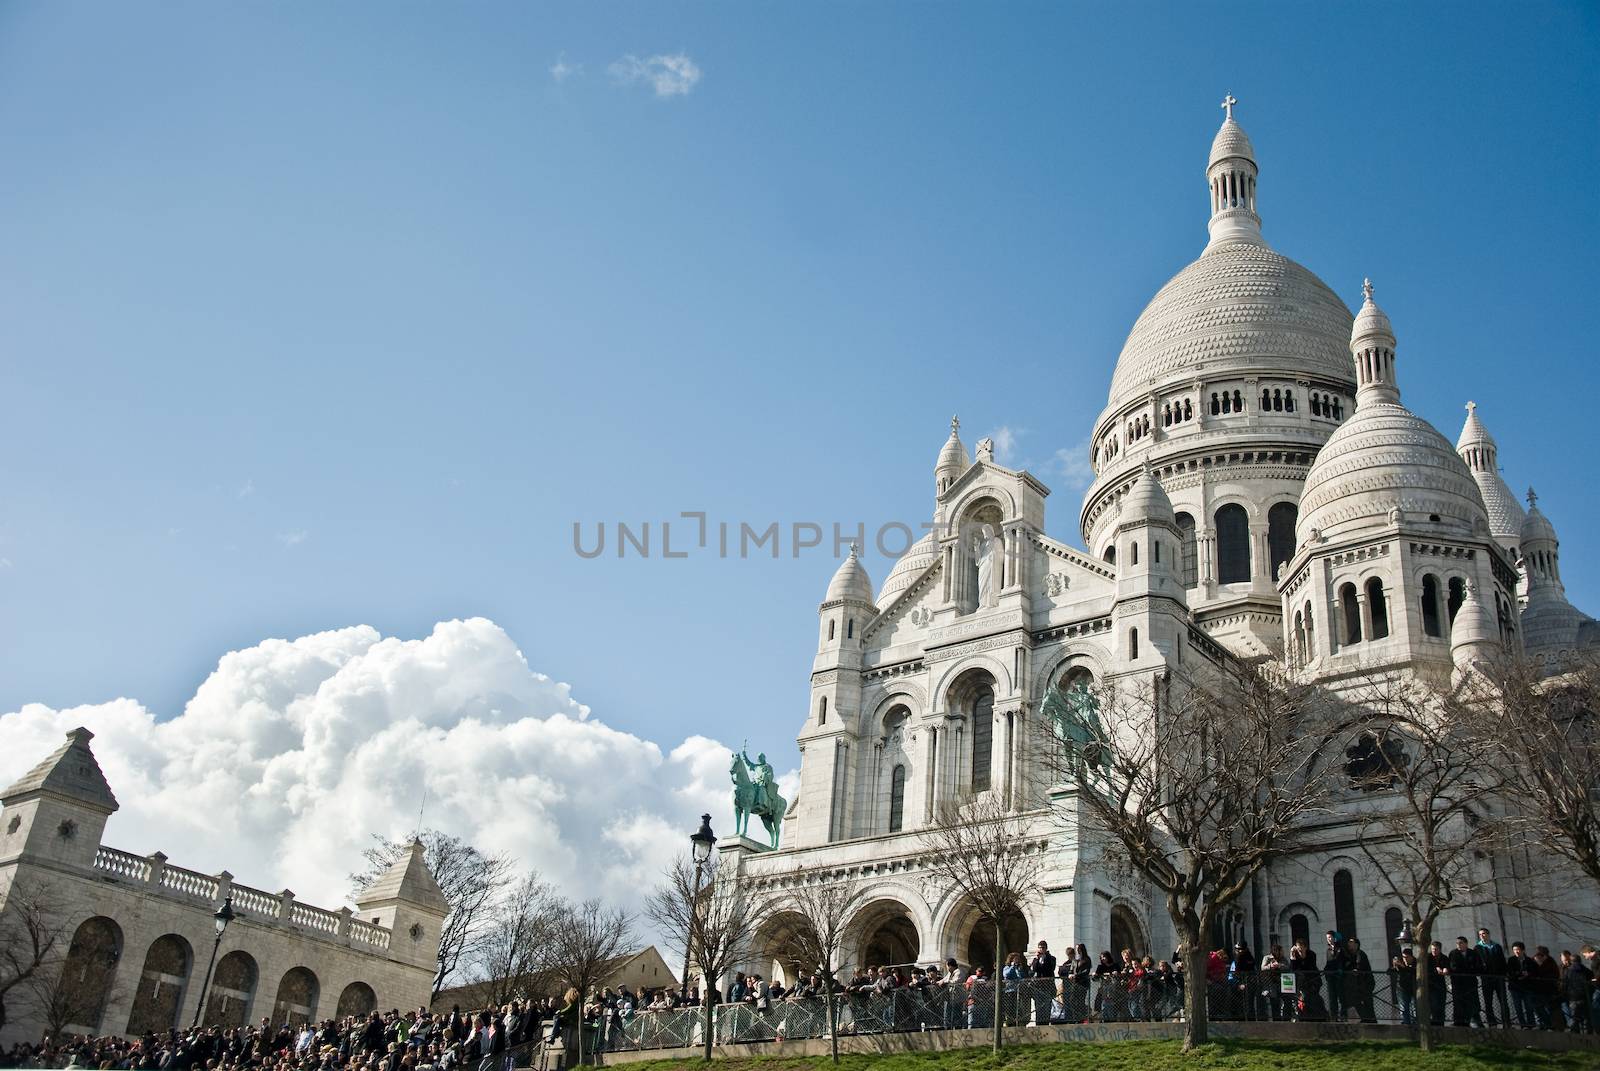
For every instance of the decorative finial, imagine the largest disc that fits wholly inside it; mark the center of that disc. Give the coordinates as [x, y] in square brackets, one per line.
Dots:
[955, 425]
[1227, 104]
[1366, 288]
[854, 549]
[1532, 498]
[1472, 407]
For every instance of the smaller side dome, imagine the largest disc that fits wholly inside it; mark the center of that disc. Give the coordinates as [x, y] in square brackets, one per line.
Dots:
[1536, 527]
[953, 459]
[1147, 501]
[850, 581]
[918, 557]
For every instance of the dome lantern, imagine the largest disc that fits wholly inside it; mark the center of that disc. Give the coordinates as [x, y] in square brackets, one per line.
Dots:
[1231, 174]
[953, 459]
[1372, 344]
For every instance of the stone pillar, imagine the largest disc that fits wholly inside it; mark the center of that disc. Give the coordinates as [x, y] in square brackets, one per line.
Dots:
[344, 923]
[224, 886]
[285, 905]
[1366, 615]
[158, 866]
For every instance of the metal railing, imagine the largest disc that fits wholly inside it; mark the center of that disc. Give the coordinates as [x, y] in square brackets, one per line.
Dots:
[1261, 996]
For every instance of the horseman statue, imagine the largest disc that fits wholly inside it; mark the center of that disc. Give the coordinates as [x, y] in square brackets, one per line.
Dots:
[755, 792]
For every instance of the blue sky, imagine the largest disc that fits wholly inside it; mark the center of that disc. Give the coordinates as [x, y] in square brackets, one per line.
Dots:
[320, 315]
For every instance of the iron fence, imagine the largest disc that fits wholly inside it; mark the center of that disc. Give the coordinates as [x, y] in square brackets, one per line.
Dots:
[1264, 996]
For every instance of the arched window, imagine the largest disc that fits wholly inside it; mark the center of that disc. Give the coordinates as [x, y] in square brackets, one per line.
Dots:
[830, 629]
[1188, 559]
[1430, 605]
[822, 711]
[1233, 544]
[1458, 595]
[1133, 643]
[1155, 551]
[897, 798]
[1316, 405]
[1299, 637]
[1188, 409]
[1133, 553]
[1378, 607]
[1281, 520]
[1288, 400]
[1352, 613]
[1110, 554]
[1238, 402]
[850, 629]
[1311, 634]
[1215, 405]
[982, 739]
[1344, 904]
[1299, 929]
[1392, 921]
[1266, 399]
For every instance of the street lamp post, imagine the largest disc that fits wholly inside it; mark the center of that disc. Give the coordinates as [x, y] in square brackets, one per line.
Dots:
[223, 916]
[700, 843]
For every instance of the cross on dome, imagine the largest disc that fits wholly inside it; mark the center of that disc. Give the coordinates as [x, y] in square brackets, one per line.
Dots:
[1227, 104]
[1533, 499]
[1472, 407]
[1366, 288]
[955, 424]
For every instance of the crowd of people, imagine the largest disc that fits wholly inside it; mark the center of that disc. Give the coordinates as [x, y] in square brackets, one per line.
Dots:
[410, 1041]
[1476, 985]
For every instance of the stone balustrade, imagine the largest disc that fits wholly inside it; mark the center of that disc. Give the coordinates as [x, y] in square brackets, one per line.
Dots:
[271, 909]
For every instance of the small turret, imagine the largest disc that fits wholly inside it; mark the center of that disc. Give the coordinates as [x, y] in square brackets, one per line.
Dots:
[1372, 344]
[1550, 624]
[1150, 594]
[953, 459]
[407, 900]
[1474, 637]
[58, 810]
[1231, 173]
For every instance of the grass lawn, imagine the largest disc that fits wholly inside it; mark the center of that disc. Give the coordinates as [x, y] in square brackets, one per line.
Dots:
[1166, 1056]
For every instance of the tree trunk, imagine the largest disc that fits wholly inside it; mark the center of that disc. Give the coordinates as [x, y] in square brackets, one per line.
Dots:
[1196, 984]
[1423, 1013]
[999, 984]
[833, 1023]
[709, 1016]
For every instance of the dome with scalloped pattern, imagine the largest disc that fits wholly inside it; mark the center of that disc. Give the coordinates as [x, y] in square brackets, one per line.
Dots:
[917, 557]
[1241, 308]
[1231, 140]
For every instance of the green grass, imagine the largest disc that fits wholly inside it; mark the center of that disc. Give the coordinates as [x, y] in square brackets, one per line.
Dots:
[1165, 1055]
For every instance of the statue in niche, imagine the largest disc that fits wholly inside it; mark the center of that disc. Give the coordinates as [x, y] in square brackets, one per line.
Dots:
[986, 551]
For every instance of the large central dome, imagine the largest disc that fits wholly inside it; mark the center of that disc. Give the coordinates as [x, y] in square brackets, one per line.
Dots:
[1241, 306]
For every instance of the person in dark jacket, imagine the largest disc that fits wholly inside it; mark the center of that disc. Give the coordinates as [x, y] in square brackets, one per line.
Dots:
[1042, 969]
[1303, 962]
[1360, 980]
[1577, 982]
[1465, 967]
[1520, 984]
[1333, 971]
[1547, 989]
[1438, 980]
[1493, 979]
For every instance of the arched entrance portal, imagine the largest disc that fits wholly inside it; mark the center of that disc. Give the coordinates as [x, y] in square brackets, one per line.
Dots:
[886, 935]
[1127, 933]
[775, 952]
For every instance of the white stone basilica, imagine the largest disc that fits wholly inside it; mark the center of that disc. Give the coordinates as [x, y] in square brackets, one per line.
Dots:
[1257, 428]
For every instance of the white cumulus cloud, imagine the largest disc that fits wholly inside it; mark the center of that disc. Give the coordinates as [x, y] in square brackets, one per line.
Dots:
[1071, 466]
[293, 751]
[668, 75]
[561, 70]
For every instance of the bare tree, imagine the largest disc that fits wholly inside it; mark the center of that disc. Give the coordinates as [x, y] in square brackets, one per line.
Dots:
[74, 989]
[1543, 736]
[813, 914]
[511, 956]
[31, 933]
[1430, 817]
[471, 881]
[982, 849]
[709, 918]
[1201, 779]
[585, 942]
